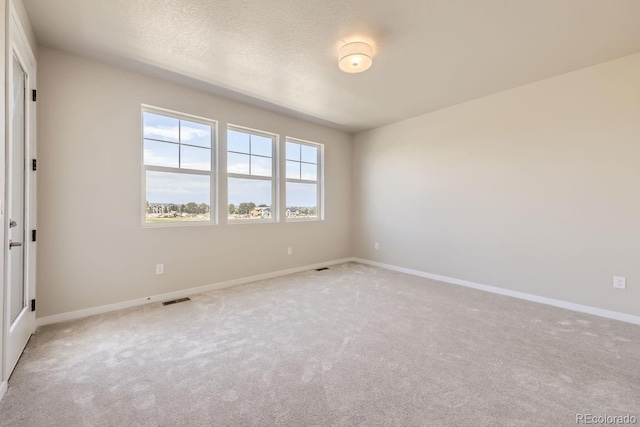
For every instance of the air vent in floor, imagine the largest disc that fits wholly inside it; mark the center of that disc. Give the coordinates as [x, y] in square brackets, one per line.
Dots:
[175, 301]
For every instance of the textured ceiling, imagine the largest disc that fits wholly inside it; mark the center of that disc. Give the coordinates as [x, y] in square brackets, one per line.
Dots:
[282, 54]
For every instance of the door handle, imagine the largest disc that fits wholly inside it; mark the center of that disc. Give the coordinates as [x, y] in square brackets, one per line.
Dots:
[12, 244]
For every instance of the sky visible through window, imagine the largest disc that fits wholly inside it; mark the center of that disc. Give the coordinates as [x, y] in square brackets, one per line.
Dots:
[169, 142]
[174, 143]
[302, 165]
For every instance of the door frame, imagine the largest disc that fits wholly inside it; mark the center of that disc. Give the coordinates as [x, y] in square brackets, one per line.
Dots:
[18, 45]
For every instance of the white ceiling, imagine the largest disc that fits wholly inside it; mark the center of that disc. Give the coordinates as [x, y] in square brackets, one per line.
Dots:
[282, 54]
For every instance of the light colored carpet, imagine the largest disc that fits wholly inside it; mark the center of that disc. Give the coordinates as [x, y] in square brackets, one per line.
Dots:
[353, 345]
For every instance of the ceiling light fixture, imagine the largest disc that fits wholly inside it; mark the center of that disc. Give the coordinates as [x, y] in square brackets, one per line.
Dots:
[355, 57]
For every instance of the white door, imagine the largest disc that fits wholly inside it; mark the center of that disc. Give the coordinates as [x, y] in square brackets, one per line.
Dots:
[19, 211]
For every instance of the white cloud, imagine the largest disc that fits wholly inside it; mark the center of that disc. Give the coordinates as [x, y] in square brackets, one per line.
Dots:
[154, 158]
[167, 133]
[189, 133]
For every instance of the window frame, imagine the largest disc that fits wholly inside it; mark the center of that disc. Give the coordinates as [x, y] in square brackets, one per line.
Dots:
[319, 182]
[274, 178]
[212, 173]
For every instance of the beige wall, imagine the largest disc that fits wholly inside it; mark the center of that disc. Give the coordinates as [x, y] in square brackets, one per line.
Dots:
[536, 189]
[92, 249]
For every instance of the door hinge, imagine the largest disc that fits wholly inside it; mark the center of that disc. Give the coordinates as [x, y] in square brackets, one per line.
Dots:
[33, 235]
[34, 95]
[33, 305]
[34, 164]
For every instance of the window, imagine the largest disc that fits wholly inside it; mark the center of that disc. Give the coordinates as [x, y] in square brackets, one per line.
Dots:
[251, 172]
[304, 180]
[178, 168]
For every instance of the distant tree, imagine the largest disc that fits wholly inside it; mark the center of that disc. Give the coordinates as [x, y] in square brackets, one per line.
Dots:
[203, 208]
[262, 205]
[191, 208]
[147, 207]
[183, 208]
[313, 211]
[232, 209]
[245, 208]
[173, 207]
[164, 209]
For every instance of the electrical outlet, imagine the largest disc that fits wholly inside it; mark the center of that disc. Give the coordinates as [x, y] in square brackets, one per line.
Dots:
[619, 282]
[289, 251]
[376, 246]
[159, 268]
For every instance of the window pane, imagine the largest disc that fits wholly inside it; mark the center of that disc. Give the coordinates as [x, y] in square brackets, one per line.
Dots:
[238, 163]
[160, 154]
[249, 199]
[293, 151]
[195, 158]
[309, 172]
[238, 141]
[309, 154]
[293, 169]
[177, 197]
[261, 146]
[302, 200]
[261, 166]
[160, 127]
[195, 134]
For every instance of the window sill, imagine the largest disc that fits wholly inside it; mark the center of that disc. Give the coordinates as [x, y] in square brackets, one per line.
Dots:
[250, 221]
[177, 224]
[304, 219]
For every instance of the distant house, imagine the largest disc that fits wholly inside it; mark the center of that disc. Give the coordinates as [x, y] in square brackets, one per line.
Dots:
[156, 208]
[292, 212]
[264, 212]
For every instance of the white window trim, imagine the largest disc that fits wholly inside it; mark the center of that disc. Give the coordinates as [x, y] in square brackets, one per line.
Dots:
[319, 182]
[274, 178]
[213, 189]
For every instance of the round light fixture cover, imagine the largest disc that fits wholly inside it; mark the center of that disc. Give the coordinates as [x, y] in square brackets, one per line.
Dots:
[355, 57]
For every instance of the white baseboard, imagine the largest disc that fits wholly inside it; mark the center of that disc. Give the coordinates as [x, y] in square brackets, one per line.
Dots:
[3, 389]
[72, 315]
[521, 295]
